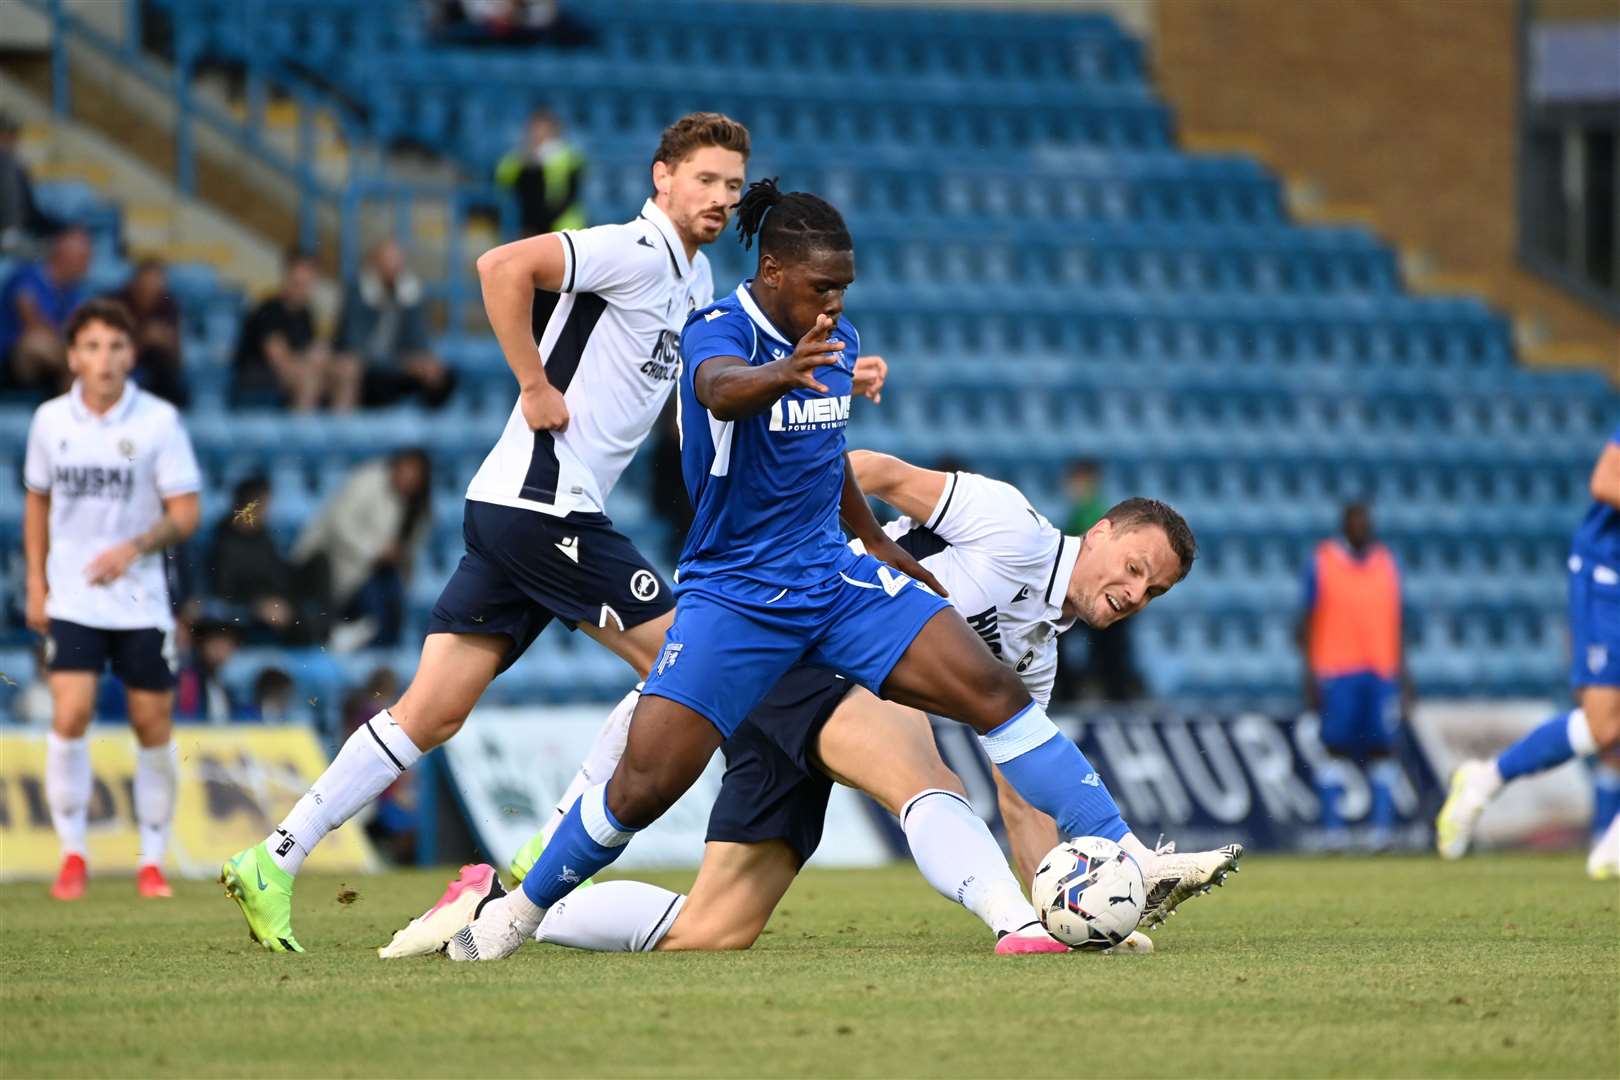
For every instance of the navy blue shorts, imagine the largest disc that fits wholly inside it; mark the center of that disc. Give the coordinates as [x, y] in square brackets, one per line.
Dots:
[141, 659]
[524, 568]
[1360, 715]
[772, 789]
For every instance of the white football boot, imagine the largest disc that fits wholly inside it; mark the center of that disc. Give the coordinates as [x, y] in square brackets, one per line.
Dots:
[1172, 877]
[500, 929]
[1603, 864]
[463, 899]
[1472, 786]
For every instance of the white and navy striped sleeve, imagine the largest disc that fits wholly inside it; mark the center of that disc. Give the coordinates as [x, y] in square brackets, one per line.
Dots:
[991, 518]
[613, 261]
[37, 460]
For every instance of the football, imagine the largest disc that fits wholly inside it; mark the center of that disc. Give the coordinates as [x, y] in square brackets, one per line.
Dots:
[1089, 893]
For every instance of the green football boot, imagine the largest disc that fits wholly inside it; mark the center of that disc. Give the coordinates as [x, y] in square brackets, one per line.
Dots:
[528, 855]
[263, 891]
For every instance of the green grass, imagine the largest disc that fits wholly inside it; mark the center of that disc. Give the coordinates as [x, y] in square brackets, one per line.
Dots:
[1496, 966]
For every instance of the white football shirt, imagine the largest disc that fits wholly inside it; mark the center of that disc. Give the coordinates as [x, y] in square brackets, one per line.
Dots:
[612, 346]
[1006, 567]
[107, 477]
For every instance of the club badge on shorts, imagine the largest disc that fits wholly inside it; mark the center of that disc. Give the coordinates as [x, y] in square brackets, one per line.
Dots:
[644, 585]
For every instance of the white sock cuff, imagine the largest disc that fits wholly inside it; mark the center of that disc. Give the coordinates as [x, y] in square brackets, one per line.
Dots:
[1028, 729]
[593, 812]
[1580, 734]
[391, 742]
[159, 757]
[662, 926]
[905, 811]
[66, 745]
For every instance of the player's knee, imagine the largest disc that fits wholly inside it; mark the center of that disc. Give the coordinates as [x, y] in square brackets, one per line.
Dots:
[1603, 717]
[994, 694]
[637, 798]
[426, 726]
[708, 937]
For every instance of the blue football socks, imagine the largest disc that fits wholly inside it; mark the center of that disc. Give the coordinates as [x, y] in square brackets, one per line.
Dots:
[1052, 775]
[587, 840]
[1550, 744]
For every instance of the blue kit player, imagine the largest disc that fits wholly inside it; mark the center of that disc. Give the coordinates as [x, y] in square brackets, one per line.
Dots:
[766, 579]
[1593, 726]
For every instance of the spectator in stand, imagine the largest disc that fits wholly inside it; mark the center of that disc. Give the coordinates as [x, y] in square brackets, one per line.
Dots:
[383, 330]
[157, 333]
[1355, 668]
[545, 175]
[34, 305]
[23, 225]
[370, 532]
[512, 22]
[201, 695]
[282, 601]
[273, 697]
[1103, 658]
[278, 353]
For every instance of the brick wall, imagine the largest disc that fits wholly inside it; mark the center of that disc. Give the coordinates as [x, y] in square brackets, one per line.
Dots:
[1398, 112]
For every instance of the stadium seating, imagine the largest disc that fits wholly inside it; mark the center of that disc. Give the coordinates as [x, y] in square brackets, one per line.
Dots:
[1049, 277]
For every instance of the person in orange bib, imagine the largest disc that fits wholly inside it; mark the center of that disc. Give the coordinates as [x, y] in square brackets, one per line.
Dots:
[1355, 675]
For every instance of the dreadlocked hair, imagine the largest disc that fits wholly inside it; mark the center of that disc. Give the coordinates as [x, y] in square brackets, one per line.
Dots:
[789, 224]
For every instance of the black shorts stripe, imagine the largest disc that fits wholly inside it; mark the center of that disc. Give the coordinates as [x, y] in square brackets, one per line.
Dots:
[373, 733]
[920, 542]
[950, 493]
[540, 482]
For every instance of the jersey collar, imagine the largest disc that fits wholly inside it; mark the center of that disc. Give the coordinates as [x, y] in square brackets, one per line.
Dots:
[672, 239]
[746, 299]
[1057, 586]
[83, 413]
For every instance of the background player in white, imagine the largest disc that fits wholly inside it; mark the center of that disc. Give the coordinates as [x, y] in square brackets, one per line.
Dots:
[112, 482]
[1020, 583]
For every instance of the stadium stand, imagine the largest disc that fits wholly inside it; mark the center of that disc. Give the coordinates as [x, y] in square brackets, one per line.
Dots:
[1042, 268]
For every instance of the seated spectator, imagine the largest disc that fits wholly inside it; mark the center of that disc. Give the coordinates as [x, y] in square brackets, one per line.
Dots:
[23, 225]
[384, 328]
[273, 697]
[157, 332]
[282, 601]
[201, 696]
[34, 304]
[512, 22]
[278, 354]
[370, 532]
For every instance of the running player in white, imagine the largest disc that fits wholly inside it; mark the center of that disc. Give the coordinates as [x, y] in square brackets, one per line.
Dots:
[112, 482]
[539, 546]
[1019, 583]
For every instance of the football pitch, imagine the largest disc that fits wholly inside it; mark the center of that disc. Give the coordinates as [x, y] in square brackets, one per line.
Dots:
[1501, 965]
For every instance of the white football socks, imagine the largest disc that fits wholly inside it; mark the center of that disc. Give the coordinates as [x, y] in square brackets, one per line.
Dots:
[962, 861]
[613, 916]
[67, 789]
[602, 759]
[155, 780]
[371, 759]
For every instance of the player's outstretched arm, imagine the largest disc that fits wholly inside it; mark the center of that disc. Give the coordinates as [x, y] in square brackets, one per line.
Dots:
[856, 514]
[36, 545]
[509, 275]
[731, 388]
[912, 490]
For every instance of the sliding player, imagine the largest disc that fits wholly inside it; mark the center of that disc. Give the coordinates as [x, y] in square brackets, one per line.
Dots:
[1018, 581]
[1591, 727]
[767, 581]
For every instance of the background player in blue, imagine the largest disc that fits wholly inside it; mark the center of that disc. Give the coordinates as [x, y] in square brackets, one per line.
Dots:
[766, 579]
[1594, 724]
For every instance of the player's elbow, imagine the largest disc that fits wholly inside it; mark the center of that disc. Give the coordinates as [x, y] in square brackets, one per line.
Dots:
[186, 513]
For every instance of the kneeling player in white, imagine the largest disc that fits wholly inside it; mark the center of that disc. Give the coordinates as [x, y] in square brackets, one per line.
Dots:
[1019, 582]
[112, 481]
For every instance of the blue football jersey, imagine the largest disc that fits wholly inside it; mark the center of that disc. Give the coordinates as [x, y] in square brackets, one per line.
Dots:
[765, 487]
[1598, 536]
